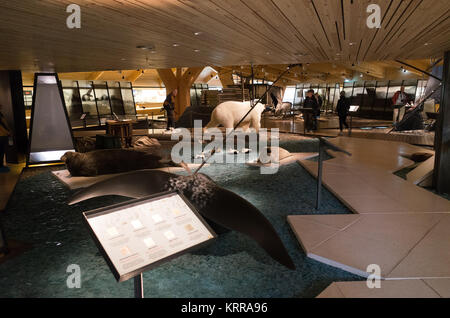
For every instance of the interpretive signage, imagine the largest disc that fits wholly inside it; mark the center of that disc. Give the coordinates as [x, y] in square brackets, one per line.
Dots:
[139, 235]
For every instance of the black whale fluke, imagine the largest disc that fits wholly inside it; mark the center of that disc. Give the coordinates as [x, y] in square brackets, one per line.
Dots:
[225, 208]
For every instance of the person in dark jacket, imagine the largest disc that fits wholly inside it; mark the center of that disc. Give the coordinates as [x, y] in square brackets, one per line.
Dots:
[169, 107]
[310, 115]
[319, 102]
[342, 110]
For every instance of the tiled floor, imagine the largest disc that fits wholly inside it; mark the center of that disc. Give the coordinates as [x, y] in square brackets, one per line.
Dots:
[414, 288]
[8, 182]
[399, 226]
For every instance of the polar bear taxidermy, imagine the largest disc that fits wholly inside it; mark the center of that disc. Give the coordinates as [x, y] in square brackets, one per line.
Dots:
[228, 115]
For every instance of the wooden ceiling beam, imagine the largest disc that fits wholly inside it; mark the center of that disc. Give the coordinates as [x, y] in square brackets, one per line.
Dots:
[94, 76]
[135, 75]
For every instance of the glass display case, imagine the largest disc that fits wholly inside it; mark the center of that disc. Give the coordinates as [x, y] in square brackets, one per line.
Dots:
[88, 102]
[102, 98]
[115, 97]
[73, 103]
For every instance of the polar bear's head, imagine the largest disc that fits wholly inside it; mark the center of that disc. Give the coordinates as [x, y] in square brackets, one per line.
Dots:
[260, 108]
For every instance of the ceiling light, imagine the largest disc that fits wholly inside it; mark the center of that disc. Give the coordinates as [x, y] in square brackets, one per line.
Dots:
[196, 50]
[427, 43]
[197, 33]
[175, 45]
[352, 43]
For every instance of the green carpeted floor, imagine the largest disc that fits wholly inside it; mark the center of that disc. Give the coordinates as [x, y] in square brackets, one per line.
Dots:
[233, 266]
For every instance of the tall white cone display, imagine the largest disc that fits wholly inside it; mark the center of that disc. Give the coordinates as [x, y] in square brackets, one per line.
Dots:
[50, 129]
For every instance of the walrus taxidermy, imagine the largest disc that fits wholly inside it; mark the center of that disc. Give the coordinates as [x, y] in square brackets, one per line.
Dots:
[215, 203]
[109, 161]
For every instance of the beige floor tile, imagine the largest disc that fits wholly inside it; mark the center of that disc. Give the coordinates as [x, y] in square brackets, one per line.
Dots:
[389, 289]
[422, 171]
[440, 285]
[355, 253]
[430, 258]
[338, 221]
[331, 291]
[347, 184]
[310, 233]
[374, 203]
[401, 230]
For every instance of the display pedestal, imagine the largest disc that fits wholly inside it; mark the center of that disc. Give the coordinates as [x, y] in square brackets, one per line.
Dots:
[353, 110]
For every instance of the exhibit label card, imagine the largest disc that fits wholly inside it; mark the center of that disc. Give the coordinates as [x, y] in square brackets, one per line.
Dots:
[139, 235]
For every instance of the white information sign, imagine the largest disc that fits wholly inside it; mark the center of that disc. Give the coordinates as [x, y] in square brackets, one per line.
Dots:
[138, 235]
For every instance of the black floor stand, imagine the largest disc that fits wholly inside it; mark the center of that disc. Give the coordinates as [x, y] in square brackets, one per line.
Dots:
[139, 286]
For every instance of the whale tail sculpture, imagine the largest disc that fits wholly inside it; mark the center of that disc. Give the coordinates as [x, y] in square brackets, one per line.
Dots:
[215, 203]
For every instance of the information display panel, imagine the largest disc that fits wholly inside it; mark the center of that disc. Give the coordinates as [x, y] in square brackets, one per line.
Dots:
[139, 235]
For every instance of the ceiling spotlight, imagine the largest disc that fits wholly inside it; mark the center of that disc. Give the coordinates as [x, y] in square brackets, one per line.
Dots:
[197, 33]
[196, 50]
[427, 43]
[175, 45]
[352, 43]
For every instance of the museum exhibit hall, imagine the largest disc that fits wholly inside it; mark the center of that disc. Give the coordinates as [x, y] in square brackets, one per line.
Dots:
[196, 151]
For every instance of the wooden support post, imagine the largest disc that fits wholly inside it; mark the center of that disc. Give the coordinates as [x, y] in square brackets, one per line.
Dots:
[442, 140]
[182, 82]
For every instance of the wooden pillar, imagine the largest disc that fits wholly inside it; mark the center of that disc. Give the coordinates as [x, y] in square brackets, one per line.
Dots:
[442, 138]
[226, 78]
[181, 81]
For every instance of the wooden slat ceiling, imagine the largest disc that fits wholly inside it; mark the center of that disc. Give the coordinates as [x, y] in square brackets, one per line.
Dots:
[34, 35]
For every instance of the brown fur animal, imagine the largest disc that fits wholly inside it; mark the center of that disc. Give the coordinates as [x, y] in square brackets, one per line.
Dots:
[109, 161]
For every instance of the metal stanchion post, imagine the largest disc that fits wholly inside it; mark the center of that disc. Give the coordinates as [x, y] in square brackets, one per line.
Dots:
[351, 125]
[139, 286]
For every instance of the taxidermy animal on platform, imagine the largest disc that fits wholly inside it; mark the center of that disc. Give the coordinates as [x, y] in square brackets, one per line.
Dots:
[219, 206]
[109, 161]
[283, 109]
[228, 115]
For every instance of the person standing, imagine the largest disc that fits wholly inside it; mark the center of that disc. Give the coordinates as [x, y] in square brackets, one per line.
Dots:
[399, 101]
[5, 134]
[169, 107]
[319, 102]
[310, 115]
[342, 109]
